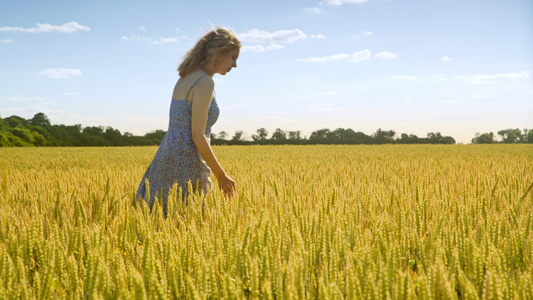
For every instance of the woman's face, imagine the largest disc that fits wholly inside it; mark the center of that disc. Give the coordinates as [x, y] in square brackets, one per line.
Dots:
[227, 62]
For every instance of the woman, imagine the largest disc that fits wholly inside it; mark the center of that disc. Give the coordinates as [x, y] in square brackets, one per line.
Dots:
[185, 154]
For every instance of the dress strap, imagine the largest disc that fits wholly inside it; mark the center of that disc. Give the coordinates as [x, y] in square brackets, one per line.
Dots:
[193, 85]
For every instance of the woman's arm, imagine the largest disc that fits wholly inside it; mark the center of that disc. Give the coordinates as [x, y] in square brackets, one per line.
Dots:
[201, 101]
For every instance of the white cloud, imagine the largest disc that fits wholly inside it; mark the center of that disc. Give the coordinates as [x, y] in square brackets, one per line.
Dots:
[488, 78]
[318, 36]
[359, 56]
[19, 98]
[169, 40]
[366, 33]
[385, 55]
[261, 48]
[142, 28]
[314, 10]
[158, 41]
[69, 27]
[6, 41]
[341, 2]
[135, 37]
[60, 73]
[446, 58]
[355, 57]
[404, 77]
[280, 36]
[273, 39]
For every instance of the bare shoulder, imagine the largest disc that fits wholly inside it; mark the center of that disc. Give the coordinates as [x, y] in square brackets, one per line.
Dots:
[207, 83]
[188, 85]
[203, 91]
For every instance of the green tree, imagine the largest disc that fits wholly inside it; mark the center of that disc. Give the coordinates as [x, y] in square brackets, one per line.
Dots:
[261, 135]
[154, 137]
[15, 121]
[435, 138]
[523, 136]
[113, 136]
[319, 136]
[448, 140]
[279, 136]
[485, 138]
[295, 135]
[410, 139]
[237, 137]
[530, 136]
[40, 119]
[222, 135]
[4, 140]
[510, 136]
[94, 130]
[24, 134]
[384, 137]
[19, 137]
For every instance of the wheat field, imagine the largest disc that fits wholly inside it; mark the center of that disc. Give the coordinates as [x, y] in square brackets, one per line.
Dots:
[308, 222]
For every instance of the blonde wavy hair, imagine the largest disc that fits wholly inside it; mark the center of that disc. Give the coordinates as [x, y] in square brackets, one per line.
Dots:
[211, 47]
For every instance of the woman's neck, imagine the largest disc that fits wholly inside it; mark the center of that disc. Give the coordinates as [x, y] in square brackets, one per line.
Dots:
[209, 70]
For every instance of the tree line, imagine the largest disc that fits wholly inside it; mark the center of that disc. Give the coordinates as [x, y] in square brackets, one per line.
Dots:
[38, 131]
[508, 136]
[326, 136]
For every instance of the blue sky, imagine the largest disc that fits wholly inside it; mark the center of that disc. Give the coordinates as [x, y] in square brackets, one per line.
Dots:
[413, 66]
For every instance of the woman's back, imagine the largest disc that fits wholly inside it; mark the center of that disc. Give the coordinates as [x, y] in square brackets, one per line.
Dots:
[185, 85]
[179, 134]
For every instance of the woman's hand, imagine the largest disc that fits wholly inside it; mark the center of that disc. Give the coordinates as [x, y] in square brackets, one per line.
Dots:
[227, 185]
